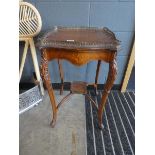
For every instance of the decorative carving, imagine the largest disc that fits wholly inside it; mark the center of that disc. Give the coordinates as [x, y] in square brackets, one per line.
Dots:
[108, 41]
[79, 52]
[78, 58]
[47, 81]
[44, 66]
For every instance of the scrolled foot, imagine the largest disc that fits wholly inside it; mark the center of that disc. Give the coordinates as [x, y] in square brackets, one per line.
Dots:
[53, 122]
[101, 126]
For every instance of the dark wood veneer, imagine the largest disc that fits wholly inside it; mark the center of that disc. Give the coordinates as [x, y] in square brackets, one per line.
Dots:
[79, 50]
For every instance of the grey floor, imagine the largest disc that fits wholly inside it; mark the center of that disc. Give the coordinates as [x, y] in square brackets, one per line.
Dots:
[67, 138]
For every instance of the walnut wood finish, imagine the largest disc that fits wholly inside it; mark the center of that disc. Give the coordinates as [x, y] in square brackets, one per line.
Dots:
[79, 87]
[47, 82]
[79, 38]
[79, 56]
[109, 83]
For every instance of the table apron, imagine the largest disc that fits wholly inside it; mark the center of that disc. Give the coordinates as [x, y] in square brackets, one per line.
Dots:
[79, 57]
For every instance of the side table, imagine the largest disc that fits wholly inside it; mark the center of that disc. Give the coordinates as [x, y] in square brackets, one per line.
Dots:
[79, 46]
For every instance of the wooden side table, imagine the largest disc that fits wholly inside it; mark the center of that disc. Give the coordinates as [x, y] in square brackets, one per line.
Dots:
[79, 46]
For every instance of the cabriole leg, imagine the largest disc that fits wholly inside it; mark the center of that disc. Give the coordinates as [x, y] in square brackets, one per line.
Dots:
[109, 83]
[48, 85]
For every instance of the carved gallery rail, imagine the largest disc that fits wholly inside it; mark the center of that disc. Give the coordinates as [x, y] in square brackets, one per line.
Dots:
[79, 46]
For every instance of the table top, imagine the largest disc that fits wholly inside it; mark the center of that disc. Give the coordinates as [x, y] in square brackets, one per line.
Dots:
[79, 38]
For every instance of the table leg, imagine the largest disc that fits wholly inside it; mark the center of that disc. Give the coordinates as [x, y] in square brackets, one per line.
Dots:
[97, 74]
[47, 81]
[61, 76]
[109, 83]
